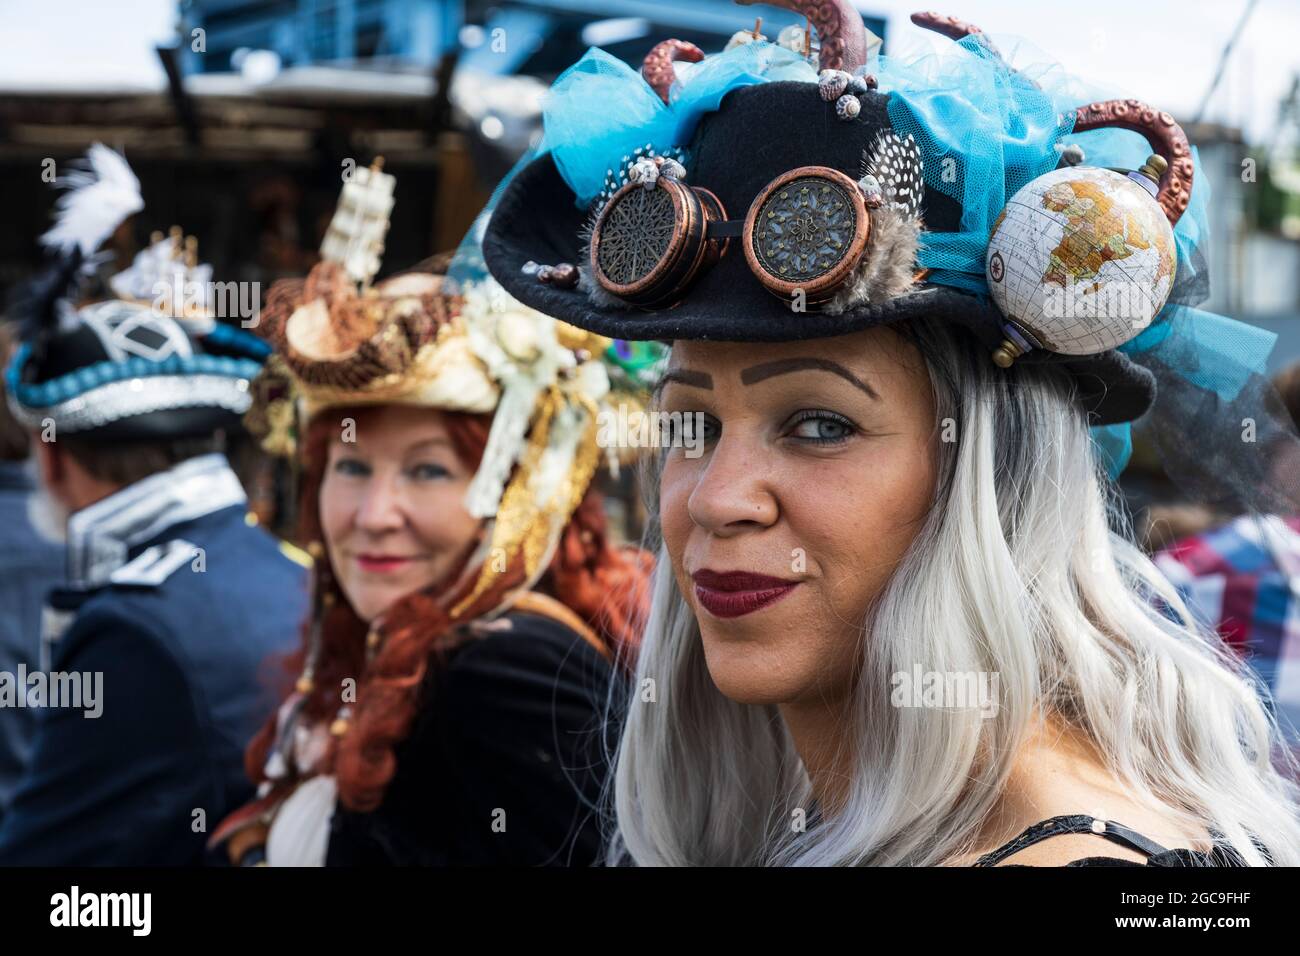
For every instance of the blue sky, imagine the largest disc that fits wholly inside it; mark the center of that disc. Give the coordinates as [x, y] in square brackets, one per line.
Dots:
[1161, 51]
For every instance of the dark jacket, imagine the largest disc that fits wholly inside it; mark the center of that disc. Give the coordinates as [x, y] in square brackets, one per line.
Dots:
[29, 567]
[505, 763]
[182, 639]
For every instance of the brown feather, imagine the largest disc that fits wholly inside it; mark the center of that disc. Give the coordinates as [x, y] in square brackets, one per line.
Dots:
[888, 265]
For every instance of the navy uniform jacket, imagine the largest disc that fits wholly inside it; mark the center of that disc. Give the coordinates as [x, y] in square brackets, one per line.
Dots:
[29, 567]
[184, 639]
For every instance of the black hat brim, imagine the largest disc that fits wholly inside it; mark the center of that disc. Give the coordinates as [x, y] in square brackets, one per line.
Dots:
[167, 425]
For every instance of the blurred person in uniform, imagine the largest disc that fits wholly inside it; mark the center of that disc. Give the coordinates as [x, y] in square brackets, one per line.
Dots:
[30, 565]
[173, 601]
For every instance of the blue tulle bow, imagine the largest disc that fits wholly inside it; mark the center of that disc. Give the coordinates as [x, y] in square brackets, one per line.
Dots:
[1225, 352]
[1213, 352]
[600, 110]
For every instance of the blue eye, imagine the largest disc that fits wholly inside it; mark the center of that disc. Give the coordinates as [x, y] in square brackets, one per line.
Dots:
[428, 471]
[822, 428]
[353, 467]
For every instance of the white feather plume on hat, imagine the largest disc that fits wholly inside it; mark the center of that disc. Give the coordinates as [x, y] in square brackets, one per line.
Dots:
[100, 195]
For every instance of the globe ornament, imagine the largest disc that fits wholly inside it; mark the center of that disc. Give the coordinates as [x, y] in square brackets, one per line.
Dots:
[1081, 260]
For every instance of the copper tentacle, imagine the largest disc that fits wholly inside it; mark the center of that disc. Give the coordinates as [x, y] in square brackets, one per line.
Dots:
[1165, 136]
[839, 27]
[657, 67]
[954, 29]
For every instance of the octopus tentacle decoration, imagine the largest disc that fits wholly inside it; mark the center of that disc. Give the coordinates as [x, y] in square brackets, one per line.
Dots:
[839, 27]
[955, 29]
[950, 27]
[1165, 136]
[657, 67]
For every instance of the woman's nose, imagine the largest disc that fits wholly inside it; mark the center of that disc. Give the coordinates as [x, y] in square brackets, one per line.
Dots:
[381, 506]
[732, 495]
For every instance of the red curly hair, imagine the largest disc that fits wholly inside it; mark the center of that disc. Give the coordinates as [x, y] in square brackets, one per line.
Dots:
[608, 587]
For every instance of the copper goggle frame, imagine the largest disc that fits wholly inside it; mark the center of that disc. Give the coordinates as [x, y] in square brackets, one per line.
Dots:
[701, 235]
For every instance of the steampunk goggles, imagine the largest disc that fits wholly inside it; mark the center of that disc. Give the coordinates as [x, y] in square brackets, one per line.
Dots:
[804, 231]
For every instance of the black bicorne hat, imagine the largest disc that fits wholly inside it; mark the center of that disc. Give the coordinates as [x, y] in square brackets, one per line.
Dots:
[676, 280]
[121, 369]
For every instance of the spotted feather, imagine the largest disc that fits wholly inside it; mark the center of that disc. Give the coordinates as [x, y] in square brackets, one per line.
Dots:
[896, 164]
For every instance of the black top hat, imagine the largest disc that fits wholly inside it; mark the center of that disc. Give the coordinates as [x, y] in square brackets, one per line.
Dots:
[680, 252]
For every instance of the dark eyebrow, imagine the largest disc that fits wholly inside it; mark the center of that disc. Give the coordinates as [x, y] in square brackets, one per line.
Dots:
[686, 377]
[756, 373]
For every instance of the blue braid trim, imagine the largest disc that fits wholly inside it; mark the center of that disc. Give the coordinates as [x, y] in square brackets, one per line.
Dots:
[65, 387]
[227, 336]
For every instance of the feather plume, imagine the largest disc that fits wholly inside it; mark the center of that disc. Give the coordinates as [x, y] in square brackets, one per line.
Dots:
[101, 193]
[39, 305]
[895, 162]
[887, 267]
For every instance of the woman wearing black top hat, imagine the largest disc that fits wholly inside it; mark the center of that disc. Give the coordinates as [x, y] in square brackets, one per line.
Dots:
[891, 623]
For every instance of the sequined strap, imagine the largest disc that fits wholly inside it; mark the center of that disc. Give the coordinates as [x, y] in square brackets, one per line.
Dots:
[533, 602]
[1075, 823]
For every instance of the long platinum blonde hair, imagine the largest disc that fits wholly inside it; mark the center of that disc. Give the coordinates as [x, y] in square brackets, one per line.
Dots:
[1024, 568]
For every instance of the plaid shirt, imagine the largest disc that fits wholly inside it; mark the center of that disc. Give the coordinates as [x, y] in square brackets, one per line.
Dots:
[1243, 579]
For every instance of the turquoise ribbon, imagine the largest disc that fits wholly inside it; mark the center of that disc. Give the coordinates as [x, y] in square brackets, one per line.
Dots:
[599, 111]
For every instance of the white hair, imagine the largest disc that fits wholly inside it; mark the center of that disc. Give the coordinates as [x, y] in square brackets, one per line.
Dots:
[1016, 572]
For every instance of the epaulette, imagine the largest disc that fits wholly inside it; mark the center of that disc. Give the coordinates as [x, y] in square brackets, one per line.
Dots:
[291, 551]
[155, 565]
[296, 554]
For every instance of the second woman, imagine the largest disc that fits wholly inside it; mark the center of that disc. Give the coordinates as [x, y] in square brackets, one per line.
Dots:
[471, 615]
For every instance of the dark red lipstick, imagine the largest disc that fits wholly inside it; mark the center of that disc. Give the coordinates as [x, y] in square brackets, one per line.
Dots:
[735, 593]
[382, 563]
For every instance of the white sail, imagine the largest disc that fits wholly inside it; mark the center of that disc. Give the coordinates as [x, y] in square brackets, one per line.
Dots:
[355, 238]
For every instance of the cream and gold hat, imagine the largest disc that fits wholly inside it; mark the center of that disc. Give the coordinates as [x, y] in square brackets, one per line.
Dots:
[342, 340]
